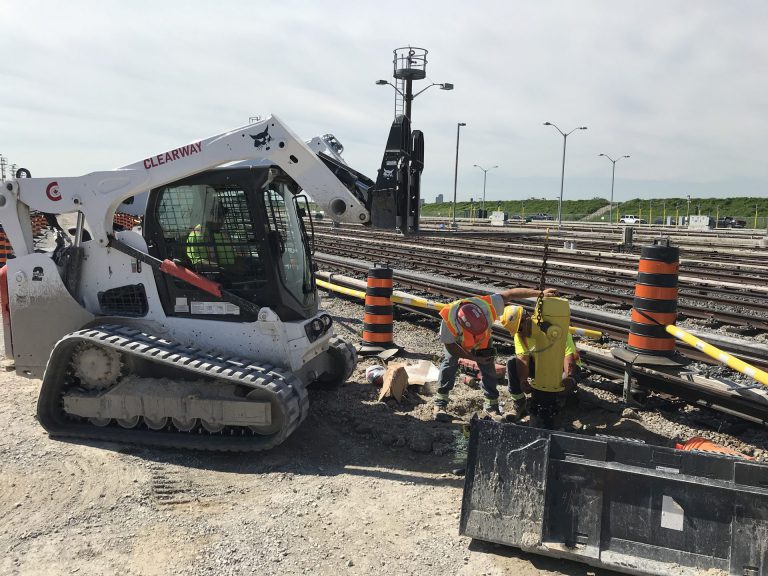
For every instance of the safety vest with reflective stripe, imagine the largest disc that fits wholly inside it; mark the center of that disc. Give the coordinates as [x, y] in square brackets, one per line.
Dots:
[465, 339]
[522, 348]
[219, 251]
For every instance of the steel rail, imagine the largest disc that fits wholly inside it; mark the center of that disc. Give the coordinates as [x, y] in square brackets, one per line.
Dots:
[501, 273]
[582, 318]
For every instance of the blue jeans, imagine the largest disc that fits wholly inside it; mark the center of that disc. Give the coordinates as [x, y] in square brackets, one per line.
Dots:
[447, 378]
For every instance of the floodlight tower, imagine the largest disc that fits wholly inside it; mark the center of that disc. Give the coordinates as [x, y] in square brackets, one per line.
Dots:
[410, 63]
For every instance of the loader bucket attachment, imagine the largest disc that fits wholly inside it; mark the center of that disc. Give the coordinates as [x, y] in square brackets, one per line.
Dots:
[395, 199]
[615, 504]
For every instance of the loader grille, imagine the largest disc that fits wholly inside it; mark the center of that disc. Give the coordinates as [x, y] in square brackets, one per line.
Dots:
[128, 300]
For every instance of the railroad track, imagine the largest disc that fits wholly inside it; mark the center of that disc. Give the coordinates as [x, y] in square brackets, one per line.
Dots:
[614, 326]
[736, 400]
[733, 247]
[710, 295]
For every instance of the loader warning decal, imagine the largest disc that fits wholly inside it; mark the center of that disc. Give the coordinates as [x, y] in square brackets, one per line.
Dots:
[173, 155]
[52, 191]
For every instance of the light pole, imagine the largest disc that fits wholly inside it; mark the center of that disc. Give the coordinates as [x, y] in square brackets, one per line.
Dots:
[613, 176]
[562, 175]
[456, 171]
[409, 64]
[408, 97]
[485, 173]
[688, 212]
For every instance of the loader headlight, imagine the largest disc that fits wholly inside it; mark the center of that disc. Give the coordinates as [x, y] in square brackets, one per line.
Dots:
[318, 326]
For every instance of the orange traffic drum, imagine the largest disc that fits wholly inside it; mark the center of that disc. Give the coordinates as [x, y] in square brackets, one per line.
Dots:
[655, 304]
[377, 322]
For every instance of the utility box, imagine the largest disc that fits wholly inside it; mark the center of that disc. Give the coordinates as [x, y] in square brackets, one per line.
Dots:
[701, 223]
[627, 236]
[498, 218]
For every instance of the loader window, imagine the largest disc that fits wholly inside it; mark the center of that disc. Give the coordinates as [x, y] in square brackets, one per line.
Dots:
[209, 229]
[286, 241]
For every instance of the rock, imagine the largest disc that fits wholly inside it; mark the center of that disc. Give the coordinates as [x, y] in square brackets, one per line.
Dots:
[631, 414]
[421, 442]
[387, 439]
[363, 427]
[350, 563]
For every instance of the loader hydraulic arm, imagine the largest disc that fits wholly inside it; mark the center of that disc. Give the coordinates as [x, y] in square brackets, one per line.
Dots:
[98, 194]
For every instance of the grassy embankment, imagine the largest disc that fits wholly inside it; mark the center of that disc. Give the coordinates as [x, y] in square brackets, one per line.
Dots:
[743, 208]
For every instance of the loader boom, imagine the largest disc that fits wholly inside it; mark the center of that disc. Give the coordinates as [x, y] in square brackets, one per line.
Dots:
[98, 194]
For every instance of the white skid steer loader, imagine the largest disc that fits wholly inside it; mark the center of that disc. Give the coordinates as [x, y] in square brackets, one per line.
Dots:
[202, 329]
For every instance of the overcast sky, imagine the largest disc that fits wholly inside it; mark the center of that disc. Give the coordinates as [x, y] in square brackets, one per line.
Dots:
[681, 86]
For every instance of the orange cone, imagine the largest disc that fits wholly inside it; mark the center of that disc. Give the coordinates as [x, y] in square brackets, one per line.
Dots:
[702, 444]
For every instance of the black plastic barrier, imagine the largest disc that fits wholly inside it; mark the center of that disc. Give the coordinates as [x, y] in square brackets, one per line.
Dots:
[616, 504]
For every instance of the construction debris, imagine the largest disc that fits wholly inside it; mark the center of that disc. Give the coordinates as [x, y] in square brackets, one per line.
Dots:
[395, 382]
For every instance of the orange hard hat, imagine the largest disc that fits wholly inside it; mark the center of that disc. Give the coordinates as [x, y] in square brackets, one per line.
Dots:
[472, 319]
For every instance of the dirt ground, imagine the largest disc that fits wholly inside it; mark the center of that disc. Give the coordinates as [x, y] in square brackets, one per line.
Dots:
[362, 487]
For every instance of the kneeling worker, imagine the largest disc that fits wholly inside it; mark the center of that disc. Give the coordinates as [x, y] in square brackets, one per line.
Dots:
[522, 365]
[466, 333]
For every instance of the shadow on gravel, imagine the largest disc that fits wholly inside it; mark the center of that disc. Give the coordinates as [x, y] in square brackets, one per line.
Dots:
[348, 431]
[554, 565]
[332, 446]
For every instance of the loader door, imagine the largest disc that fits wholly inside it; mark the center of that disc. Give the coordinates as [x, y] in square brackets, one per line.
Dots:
[237, 227]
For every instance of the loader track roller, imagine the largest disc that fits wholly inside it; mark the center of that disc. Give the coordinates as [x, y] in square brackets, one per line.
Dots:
[212, 401]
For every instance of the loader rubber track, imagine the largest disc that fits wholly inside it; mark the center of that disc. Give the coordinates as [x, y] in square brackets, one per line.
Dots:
[286, 392]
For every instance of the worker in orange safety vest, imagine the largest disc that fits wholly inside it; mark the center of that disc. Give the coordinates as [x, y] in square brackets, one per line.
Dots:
[465, 332]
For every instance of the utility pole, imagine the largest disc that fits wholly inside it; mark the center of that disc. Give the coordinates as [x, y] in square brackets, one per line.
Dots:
[613, 177]
[456, 171]
[562, 172]
[485, 173]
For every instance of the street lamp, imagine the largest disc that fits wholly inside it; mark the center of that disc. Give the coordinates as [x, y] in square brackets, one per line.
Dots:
[485, 173]
[408, 97]
[613, 175]
[456, 171]
[562, 175]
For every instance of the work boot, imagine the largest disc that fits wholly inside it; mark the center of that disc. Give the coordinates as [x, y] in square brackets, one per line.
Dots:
[492, 412]
[440, 415]
[517, 410]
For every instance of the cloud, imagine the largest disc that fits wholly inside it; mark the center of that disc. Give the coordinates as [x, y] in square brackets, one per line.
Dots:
[680, 86]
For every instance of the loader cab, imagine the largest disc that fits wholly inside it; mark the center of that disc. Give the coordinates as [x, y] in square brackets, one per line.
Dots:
[239, 227]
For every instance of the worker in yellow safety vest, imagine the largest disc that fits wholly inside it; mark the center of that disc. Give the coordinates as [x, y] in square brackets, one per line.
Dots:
[522, 365]
[465, 332]
[208, 247]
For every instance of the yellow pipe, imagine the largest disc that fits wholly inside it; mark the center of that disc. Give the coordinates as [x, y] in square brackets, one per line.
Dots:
[337, 288]
[596, 334]
[719, 355]
[422, 303]
[418, 302]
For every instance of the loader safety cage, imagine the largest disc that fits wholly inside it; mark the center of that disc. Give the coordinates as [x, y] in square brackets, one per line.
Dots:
[614, 503]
